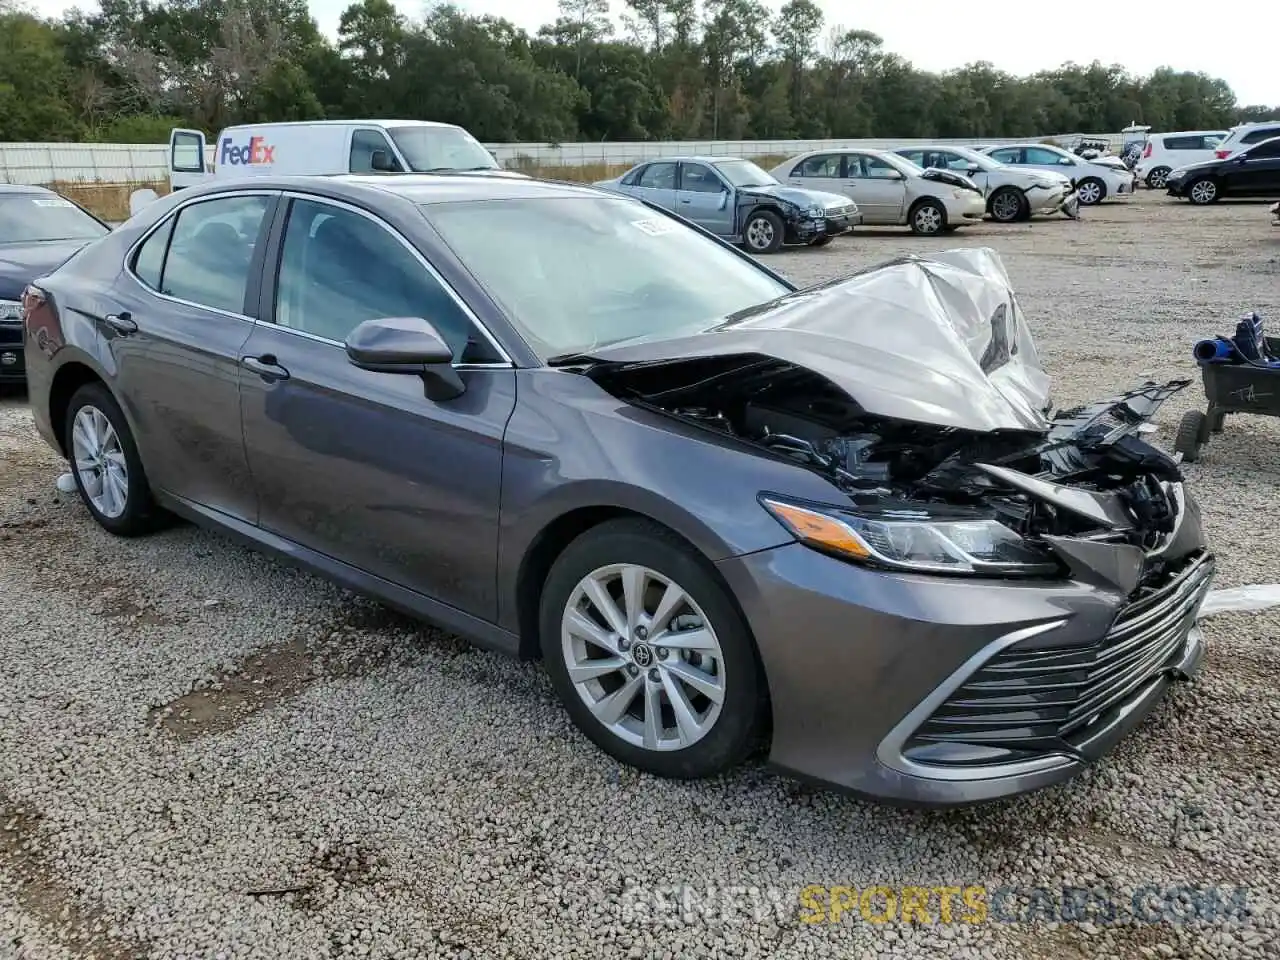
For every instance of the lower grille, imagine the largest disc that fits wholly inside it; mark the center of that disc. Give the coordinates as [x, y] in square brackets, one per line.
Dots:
[1027, 700]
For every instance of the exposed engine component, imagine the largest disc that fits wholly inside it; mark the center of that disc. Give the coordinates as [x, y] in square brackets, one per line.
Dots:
[791, 412]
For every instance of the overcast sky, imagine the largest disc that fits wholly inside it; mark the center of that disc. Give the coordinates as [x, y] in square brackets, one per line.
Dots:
[1020, 36]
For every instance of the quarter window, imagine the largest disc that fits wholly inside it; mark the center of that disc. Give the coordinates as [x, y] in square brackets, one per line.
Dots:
[1008, 155]
[148, 263]
[339, 268]
[211, 253]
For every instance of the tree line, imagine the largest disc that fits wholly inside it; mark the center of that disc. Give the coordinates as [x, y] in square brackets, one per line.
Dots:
[630, 70]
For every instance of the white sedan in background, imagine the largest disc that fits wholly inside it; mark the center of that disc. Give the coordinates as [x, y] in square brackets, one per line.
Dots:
[1012, 193]
[1094, 182]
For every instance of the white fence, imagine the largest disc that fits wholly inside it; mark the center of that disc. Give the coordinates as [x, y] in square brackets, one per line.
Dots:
[132, 163]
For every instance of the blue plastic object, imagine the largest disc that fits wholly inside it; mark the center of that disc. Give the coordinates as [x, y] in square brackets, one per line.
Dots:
[1248, 346]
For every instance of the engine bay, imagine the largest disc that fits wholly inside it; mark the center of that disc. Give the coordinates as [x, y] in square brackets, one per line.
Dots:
[884, 464]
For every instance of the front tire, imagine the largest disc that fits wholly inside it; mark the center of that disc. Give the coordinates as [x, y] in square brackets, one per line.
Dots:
[1158, 178]
[1091, 191]
[1007, 205]
[105, 463]
[649, 654]
[763, 232]
[1203, 191]
[928, 218]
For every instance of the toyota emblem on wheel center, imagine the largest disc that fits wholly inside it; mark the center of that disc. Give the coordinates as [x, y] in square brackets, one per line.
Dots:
[642, 654]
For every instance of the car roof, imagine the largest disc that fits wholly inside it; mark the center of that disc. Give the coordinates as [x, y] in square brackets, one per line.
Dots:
[695, 158]
[1184, 133]
[343, 123]
[416, 188]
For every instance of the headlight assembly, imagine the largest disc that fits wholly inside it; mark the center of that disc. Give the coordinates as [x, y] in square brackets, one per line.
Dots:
[914, 541]
[815, 213]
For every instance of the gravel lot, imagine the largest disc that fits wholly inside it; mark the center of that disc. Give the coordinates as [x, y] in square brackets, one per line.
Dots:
[204, 754]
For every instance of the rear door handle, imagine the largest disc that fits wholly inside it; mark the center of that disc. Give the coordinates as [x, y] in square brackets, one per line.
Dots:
[121, 323]
[266, 367]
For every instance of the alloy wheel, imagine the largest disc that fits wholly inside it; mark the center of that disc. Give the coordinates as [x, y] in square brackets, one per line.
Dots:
[1157, 178]
[1006, 206]
[1090, 193]
[760, 234]
[1204, 191]
[643, 657]
[100, 462]
[928, 219]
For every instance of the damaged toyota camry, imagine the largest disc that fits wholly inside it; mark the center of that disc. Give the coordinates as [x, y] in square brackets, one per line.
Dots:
[842, 525]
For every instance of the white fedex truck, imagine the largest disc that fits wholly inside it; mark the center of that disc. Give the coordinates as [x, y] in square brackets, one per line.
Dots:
[324, 148]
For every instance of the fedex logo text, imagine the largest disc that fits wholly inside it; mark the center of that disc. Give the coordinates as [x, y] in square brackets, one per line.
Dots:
[255, 151]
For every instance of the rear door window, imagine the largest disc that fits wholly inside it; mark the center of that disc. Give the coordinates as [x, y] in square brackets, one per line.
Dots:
[210, 255]
[1262, 133]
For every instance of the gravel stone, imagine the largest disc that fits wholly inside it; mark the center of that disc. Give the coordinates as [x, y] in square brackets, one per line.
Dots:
[205, 754]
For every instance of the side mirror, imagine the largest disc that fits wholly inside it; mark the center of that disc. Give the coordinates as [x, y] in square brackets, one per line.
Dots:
[895, 175]
[382, 161]
[974, 169]
[1066, 162]
[724, 198]
[406, 345]
[140, 198]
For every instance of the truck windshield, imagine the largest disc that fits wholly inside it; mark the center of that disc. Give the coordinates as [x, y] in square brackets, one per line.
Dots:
[440, 149]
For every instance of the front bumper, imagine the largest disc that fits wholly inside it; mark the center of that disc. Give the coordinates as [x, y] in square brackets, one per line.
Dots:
[936, 691]
[12, 355]
[969, 208]
[808, 229]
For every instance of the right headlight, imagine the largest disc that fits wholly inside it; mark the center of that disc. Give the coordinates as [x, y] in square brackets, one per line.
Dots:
[914, 540]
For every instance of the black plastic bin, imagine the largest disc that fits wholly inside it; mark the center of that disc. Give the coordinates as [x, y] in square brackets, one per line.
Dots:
[1229, 388]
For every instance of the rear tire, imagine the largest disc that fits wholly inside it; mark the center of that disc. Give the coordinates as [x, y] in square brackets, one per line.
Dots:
[1158, 178]
[708, 642]
[927, 218]
[105, 463]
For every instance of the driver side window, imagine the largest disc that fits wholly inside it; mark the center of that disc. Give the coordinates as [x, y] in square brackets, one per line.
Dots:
[698, 178]
[339, 268]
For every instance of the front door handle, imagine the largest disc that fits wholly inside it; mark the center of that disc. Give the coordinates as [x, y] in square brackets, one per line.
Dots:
[266, 367]
[121, 323]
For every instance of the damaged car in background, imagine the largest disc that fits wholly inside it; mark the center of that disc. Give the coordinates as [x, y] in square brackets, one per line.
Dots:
[841, 523]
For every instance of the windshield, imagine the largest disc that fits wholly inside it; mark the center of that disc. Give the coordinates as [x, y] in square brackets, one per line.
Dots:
[744, 173]
[40, 218]
[980, 160]
[430, 149]
[577, 273]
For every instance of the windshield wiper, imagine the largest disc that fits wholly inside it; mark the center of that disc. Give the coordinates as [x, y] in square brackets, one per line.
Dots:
[570, 359]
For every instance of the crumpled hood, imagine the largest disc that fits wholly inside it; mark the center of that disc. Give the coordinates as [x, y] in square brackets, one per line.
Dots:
[799, 196]
[951, 177]
[937, 339]
[20, 263]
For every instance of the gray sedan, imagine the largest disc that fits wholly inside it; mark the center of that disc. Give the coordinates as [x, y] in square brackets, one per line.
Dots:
[733, 198]
[568, 426]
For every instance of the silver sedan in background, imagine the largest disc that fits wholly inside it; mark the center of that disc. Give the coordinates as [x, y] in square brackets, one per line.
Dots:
[890, 190]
